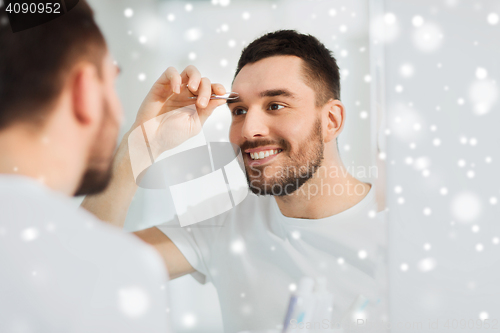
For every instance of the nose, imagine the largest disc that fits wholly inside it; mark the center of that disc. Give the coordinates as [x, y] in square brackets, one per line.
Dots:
[254, 125]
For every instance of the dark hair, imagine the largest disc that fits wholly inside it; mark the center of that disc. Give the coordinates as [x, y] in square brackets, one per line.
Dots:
[320, 68]
[34, 62]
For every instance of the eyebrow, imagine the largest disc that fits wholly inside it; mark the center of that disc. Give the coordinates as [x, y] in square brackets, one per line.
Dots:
[268, 93]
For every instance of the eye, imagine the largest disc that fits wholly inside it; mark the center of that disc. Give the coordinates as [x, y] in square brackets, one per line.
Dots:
[238, 111]
[275, 107]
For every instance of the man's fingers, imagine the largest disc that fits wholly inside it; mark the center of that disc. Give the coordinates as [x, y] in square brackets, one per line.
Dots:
[192, 76]
[218, 89]
[171, 78]
[204, 93]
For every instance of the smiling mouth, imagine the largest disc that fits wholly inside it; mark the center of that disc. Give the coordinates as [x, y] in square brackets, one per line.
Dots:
[263, 156]
[264, 153]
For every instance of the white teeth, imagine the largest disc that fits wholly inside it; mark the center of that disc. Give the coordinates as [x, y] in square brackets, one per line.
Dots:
[263, 154]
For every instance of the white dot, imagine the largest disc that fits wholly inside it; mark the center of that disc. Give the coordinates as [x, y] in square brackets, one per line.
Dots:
[417, 126]
[192, 56]
[406, 70]
[495, 240]
[362, 254]
[382, 155]
[245, 15]
[128, 12]
[188, 7]
[372, 214]
[417, 21]
[141, 77]
[332, 12]
[292, 287]
[344, 53]
[463, 140]
[368, 78]
[224, 27]
[427, 264]
[488, 159]
[389, 18]
[473, 141]
[481, 73]
[433, 128]
[427, 211]
[436, 142]
[461, 163]
[466, 207]
[427, 246]
[475, 228]
[493, 200]
[483, 315]
[231, 43]
[404, 267]
[295, 234]
[493, 18]
[343, 28]
[460, 101]
[171, 17]
[223, 62]
[426, 173]
[273, 248]
[340, 261]
[189, 320]
[133, 301]
[224, 3]
[409, 160]
[471, 174]
[237, 246]
[29, 234]
[363, 114]
[398, 189]
[347, 147]
[401, 200]
[479, 247]
[443, 191]
[399, 88]
[143, 39]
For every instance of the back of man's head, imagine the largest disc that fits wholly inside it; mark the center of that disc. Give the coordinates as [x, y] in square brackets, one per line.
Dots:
[35, 62]
[320, 71]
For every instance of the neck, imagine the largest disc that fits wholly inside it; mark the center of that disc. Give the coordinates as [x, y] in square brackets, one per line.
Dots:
[32, 152]
[331, 190]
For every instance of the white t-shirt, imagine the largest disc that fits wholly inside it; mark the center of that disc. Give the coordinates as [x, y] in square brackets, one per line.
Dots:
[63, 270]
[255, 256]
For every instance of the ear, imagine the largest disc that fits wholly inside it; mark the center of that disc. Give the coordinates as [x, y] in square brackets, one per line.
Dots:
[86, 91]
[334, 112]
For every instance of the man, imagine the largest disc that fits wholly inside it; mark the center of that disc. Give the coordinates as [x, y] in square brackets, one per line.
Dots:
[309, 216]
[63, 270]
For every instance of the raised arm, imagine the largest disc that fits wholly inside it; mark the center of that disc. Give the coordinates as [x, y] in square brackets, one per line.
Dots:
[167, 129]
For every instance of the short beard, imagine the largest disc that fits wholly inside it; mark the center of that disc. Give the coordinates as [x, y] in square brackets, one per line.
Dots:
[298, 172]
[95, 179]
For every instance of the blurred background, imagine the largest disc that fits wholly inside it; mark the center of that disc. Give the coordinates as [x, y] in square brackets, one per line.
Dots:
[148, 36]
[441, 80]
